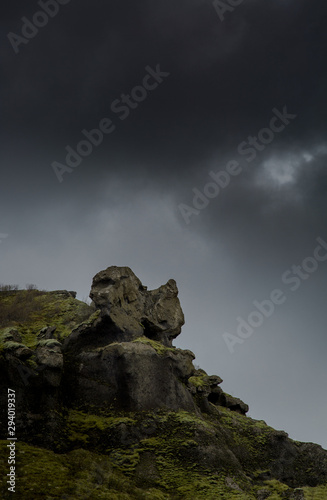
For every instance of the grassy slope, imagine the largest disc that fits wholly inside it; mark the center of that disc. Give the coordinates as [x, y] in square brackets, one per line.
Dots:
[28, 311]
[154, 468]
[129, 472]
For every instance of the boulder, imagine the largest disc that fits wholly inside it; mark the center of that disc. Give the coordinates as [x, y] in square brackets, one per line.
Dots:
[47, 332]
[64, 294]
[50, 362]
[23, 353]
[298, 494]
[207, 390]
[234, 404]
[16, 336]
[132, 376]
[11, 334]
[132, 310]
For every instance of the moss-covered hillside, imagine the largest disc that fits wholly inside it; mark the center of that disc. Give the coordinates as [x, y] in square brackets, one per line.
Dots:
[164, 467]
[28, 311]
[105, 412]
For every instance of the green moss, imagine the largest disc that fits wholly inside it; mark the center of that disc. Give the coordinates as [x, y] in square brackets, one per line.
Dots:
[82, 427]
[28, 311]
[173, 475]
[157, 346]
[249, 438]
[169, 451]
[277, 489]
[154, 468]
[190, 419]
[199, 380]
[31, 362]
[115, 461]
[5, 335]
[89, 320]
[48, 343]
[12, 345]
[30, 339]
[87, 421]
[317, 493]
[126, 460]
[78, 474]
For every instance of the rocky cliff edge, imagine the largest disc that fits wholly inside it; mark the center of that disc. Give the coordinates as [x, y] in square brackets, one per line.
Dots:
[108, 408]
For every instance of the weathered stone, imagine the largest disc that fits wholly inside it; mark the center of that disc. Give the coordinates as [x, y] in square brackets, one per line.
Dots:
[51, 357]
[23, 353]
[207, 388]
[16, 336]
[132, 376]
[214, 380]
[50, 361]
[298, 494]
[11, 335]
[232, 484]
[134, 310]
[47, 332]
[234, 404]
[64, 294]
[125, 393]
[263, 494]
[291, 462]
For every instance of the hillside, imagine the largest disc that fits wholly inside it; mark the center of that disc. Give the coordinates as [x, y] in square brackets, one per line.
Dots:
[107, 408]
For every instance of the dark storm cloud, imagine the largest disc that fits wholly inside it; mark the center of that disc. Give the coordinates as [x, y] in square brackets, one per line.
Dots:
[225, 77]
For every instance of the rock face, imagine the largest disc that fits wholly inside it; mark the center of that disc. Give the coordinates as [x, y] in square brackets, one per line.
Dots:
[133, 310]
[132, 376]
[124, 358]
[113, 384]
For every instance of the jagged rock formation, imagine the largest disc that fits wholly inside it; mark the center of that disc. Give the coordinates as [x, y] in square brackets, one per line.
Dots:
[132, 310]
[103, 385]
[125, 359]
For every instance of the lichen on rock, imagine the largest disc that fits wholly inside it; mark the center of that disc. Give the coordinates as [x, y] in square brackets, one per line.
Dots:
[107, 407]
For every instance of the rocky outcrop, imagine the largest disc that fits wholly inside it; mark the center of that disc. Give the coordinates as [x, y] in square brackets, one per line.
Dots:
[123, 358]
[47, 333]
[115, 385]
[207, 391]
[135, 311]
[126, 310]
[132, 376]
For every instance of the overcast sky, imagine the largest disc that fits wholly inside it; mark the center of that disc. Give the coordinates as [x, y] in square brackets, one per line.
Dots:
[183, 90]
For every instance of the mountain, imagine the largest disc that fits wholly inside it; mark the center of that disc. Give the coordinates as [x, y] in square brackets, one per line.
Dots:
[103, 406]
